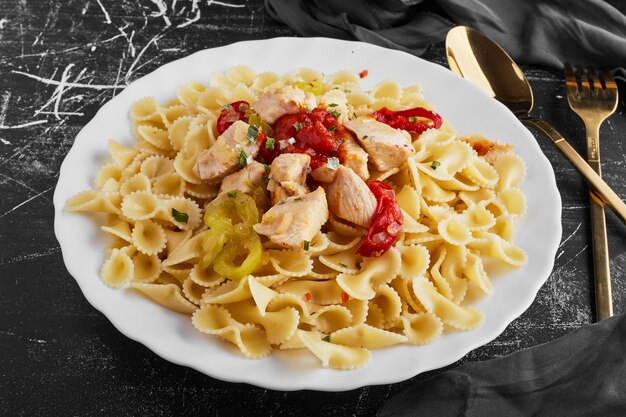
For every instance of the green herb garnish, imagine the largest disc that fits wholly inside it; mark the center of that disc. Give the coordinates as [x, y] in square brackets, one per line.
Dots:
[269, 143]
[306, 245]
[297, 199]
[332, 128]
[267, 168]
[326, 339]
[333, 163]
[412, 119]
[180, 216]
[334, 113]
[343, 265]
[435, 164]
[333, 105]
[253, 133]
[243, 158]
[298, 126]
[231, 194]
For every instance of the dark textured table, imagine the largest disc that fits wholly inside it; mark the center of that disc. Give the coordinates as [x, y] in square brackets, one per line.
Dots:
[59, 62]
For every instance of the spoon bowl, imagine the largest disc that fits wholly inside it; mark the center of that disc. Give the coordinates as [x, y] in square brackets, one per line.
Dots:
[477, 58]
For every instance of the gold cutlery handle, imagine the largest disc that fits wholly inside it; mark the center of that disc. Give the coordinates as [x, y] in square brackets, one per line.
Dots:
[601, 270]
[597, 184]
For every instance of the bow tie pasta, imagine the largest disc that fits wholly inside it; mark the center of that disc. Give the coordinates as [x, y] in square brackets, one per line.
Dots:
[303, 212]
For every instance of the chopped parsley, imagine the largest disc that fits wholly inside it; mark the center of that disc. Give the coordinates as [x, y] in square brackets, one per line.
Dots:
[231, 194]
[297, 199]
[333, 163]
[333, 105]
[365, 137]
[341, 140]
[266, 180]
[243, 158]
[253, 133]
[435, 164]
[282, 144]
[412, 119]
[180, 216]
[332, 128]
[281, 202]
[334, 113]
[267, 168]
[343, 265]
[306, 245]
[298, 126]
[326, 339]
[269, 143]
[225, 107]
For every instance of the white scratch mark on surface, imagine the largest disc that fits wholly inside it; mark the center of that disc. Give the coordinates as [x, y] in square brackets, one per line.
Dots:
[40, 341]
[190, 21]
[160, 4]
[571, 235]
[3, 21]
[62, 51]
[106, 14]
[33, 123]
[5, 106]
[27, 201]
[5, 142]
[129, 40]
[50, 81]
[154, 39]
[63, 113]
[223, 3]
[85, 9]
[30, 256]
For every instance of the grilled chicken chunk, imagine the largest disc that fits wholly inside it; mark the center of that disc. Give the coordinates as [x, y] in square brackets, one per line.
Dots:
[224, 156]
[245, 180]
[387, 147]
[296, 220]
[285, 100]
[353, 156]
[349, 198]
[288, 176]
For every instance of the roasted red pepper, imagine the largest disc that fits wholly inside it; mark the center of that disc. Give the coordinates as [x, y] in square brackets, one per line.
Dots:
[230, 114]
[386, 223]
[409, 120]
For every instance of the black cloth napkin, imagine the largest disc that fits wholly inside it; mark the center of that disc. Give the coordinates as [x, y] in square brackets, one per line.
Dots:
[543, 32]
[580, 374]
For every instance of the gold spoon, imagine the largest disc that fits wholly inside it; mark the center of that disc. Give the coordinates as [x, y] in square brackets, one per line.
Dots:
[477, 58]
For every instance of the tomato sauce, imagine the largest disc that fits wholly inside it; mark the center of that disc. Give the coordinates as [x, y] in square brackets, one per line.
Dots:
[386, 223]
[230, 114]
[316, 133]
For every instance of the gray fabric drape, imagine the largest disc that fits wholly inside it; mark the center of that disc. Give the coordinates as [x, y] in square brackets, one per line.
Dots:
[542, 32]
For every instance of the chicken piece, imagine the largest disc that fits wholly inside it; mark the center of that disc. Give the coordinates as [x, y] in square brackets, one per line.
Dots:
[296, 220]
[387, 147]
[324, 174]
[349, 198]
[245, 180]
[288, 176]
[353, 156]
[489, 150]
[224, 156]
[285, 100]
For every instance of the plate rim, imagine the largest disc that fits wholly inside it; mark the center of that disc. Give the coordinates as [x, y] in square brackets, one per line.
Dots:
[61, 235]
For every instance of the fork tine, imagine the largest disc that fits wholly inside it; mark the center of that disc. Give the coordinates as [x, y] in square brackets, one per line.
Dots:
[570, 79]
[609, 81]
[593, 79]
[584, 82]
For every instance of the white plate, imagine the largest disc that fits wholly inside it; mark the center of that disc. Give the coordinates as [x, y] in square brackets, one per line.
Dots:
[171, 335]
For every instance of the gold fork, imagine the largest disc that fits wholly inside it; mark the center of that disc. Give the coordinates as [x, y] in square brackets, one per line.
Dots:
[593, 97]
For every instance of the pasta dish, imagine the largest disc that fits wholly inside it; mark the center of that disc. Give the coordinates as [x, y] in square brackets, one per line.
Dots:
[300, 211]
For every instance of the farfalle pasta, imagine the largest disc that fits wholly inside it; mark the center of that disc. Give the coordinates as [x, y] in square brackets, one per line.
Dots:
[329, 218]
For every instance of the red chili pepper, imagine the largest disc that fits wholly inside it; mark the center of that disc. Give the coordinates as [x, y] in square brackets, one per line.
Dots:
[386, 223]
[229, 115]
[344, 297]
[307, 296]
[408, 119]
[363, 73]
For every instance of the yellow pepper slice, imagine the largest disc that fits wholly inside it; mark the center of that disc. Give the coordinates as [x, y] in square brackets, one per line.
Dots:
[244, 243]
[231, 209]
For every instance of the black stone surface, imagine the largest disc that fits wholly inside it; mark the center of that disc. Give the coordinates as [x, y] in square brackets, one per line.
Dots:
[59, 62]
